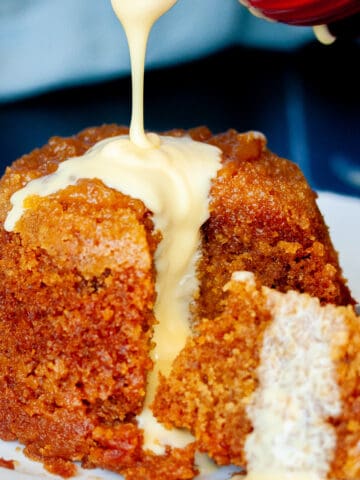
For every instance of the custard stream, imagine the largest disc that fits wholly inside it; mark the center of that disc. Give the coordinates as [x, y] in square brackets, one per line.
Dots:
[172, 177]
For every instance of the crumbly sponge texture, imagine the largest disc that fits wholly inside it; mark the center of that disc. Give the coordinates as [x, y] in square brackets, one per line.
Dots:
[346, 461]
[214, 377]
[264, 219]
[77, 294]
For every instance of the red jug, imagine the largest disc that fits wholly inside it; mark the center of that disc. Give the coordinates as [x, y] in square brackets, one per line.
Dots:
[305, 12]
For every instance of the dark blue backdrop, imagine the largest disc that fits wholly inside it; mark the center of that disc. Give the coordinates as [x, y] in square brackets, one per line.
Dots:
[307, 103]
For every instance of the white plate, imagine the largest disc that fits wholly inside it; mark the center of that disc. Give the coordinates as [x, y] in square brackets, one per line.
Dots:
[342, 214]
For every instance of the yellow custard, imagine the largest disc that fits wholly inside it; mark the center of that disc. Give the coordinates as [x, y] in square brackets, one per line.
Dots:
[172, 176]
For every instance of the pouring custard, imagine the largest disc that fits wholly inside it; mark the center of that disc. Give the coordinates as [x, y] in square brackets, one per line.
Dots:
[124, 346]
[172, 177]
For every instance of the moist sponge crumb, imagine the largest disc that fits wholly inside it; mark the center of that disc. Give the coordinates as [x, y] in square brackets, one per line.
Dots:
[77, 291]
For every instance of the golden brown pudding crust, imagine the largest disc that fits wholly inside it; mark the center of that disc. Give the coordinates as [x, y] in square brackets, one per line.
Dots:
[77, 295]
[264, 219]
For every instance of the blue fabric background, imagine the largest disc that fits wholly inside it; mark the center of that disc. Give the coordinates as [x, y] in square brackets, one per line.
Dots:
[216, 65]
[51, 43]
